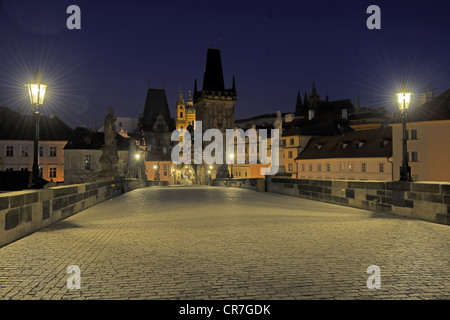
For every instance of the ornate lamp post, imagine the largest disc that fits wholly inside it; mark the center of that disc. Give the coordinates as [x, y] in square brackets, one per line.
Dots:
[36, 90]
[404, 100]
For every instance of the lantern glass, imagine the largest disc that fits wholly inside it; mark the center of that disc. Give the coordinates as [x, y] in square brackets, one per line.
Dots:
[37, 90]
[404, 99]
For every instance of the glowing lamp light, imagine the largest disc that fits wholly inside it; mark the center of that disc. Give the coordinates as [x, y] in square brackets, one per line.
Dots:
[37, 89]
[138, 156]
[404, 98]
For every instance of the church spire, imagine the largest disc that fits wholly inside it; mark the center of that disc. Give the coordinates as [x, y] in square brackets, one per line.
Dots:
[299, 104]
[190, 102]
[305, 102]
[180, 101]
[233, 88]
[357, 101]
[213, 77]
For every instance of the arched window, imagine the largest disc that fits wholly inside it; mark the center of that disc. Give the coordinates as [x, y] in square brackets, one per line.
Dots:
[181, 114]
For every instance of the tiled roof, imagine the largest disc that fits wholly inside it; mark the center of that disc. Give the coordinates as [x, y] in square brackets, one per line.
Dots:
[86, 139]
[16, 126]
[322, 125]
[155, 104]
[375, 143]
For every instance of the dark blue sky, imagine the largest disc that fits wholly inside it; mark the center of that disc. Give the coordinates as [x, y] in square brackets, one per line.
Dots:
[275, 48]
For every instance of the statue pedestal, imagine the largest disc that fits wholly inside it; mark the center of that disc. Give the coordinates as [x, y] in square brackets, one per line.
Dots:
[281, 168]
[109, 161]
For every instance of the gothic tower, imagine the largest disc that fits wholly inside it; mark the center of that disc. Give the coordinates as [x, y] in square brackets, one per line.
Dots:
[214, 104]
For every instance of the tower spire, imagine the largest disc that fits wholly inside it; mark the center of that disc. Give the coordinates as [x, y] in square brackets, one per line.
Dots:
[357, 101]
[299, 104]
[234, 82]
[180, 101]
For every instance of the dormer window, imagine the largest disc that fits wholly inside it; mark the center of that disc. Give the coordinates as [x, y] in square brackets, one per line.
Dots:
[319, 146]
[344, 145]
[359, 144]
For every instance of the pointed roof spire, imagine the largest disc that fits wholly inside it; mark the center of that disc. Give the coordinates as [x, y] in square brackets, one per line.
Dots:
[180, 101]
[305, 101]
[190, 102]
[357, 101]
[234, 82]
[299, 104]
[213, 77]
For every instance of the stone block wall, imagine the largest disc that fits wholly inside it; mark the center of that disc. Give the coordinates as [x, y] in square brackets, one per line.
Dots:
[24, 212]
[419, 200]
[425, 201]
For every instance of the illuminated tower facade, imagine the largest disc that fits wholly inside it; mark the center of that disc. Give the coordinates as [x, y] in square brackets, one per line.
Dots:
[185, 113]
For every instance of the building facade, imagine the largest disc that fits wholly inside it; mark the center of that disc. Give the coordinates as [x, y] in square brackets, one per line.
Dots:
[356, 155]
[428, 140]
[17, 144]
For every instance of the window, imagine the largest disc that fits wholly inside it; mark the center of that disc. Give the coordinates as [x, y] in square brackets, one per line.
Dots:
[350, 167]
[414, 156]
[87, 162]
[246, 173]
[291, 141]
[52, 151]
[303, 167]
[9, 151]
[290, 167]
[363, 167]
[319, 167]
[165, 173]
[24, 151]
[413, 134]
[41, 151]
[52, 173]
[181, 114]
[120, 124]
[415, 177]
[290, 154]
[328, 167]
[165, 166]
[342, 166]
[310, 167]
[381, 167]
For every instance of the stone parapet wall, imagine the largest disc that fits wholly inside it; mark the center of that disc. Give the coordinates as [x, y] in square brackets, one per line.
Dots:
[418, 200]
[25, 212]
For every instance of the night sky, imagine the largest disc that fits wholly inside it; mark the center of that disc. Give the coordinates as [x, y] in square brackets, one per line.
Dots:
[275, 49]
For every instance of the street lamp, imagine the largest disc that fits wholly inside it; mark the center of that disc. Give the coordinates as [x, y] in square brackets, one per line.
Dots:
[231, 167]
[404, 100]
[36, 91]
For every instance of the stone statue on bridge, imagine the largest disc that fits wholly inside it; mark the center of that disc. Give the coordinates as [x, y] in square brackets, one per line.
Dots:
[109, 159]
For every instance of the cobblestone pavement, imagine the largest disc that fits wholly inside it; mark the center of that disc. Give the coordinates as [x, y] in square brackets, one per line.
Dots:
[226, 243]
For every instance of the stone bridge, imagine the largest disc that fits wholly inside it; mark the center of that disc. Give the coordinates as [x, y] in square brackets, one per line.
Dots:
[207, 242]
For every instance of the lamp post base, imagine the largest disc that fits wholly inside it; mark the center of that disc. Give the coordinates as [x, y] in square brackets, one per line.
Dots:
[405, 173]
